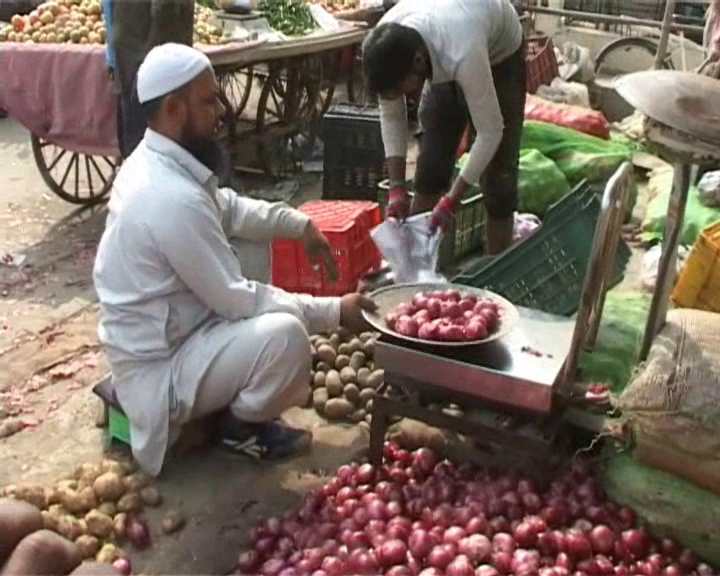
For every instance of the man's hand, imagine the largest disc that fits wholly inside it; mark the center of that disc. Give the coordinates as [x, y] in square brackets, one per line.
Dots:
[351, 307]
[443, 214]
[398, 204]
[319, 251]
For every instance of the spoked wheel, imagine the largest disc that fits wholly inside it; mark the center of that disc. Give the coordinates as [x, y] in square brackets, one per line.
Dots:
[328, 79]
[76, 177]
[278, 102]
[237, 87]
[286, 108]
[626, 55]
[357, 87]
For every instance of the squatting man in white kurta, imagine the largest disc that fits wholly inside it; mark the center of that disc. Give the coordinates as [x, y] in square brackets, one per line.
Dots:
[188, 320]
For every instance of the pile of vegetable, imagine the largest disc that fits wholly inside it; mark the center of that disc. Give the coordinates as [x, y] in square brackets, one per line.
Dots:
[339, 5]
[344, 379]
[99, 507]
[81, 22]
[58, 22]
[205, 30]
[291, 17]
[416, 515]
[446, 316]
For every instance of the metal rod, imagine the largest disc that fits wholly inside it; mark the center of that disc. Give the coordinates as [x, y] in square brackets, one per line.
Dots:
[664, 34]
[666, 266]
[608, 19]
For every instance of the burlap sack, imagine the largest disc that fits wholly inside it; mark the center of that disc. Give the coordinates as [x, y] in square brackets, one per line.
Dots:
[673, 405]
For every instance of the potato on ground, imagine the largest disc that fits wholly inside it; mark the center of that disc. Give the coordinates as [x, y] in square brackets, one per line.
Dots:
[88, 546]
[151, 496]
[130, 502]
[338, 408]
[109, 487]
[137, 481]
[99, 524]
[173, 521]
[320, 398]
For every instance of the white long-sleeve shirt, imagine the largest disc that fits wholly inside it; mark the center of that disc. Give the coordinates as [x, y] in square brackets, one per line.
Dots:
[165, 268]
[465, 38]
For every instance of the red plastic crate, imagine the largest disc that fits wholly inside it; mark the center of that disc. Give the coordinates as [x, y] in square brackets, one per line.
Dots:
[347, 225]
[541, 62]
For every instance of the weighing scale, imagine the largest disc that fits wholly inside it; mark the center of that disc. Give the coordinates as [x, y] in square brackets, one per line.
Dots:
[682, 123]
[517, 385]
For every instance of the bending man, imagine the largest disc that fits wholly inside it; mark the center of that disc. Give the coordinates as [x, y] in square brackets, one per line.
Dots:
[470, 56]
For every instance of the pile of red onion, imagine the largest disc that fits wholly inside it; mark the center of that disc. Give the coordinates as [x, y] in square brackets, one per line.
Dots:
[416, 516]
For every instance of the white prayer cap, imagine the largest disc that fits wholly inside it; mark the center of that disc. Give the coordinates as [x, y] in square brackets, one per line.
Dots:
[168, 67]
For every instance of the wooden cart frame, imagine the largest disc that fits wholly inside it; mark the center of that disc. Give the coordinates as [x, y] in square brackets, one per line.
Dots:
[296, 79]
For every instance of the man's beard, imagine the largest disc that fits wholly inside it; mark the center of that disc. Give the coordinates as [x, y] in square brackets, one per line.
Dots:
[209, 152]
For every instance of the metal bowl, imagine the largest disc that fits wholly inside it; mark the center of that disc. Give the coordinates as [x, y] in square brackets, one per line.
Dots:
[388, 298]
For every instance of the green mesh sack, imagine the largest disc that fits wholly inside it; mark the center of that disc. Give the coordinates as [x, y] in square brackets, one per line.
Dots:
[612, 361]
[697, 217]
[540, 183]
[579, 156]
[669, 506]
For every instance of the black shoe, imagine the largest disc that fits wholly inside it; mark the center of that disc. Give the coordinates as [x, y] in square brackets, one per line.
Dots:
[267, 441]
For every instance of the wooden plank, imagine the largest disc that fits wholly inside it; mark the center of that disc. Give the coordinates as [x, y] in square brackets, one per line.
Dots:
[239, 55]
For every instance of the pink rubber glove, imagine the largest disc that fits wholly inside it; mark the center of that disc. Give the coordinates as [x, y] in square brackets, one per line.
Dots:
[398, 204]
[443, 214]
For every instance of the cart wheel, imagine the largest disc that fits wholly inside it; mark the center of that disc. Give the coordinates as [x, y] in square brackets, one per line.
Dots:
[287, 105]
[237, 87]
[613, 58]
[75, 177]
[276, 109]
[314, 94]
[330, 73]
[278, 100]
[356, 86]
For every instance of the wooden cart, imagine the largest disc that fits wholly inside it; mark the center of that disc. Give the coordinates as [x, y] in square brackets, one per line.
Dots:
[63, 95]
[293, 83]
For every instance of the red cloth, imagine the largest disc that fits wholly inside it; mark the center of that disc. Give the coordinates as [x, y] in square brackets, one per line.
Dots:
[61, 92]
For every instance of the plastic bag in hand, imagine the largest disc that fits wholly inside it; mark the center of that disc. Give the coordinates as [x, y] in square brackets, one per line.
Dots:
[410, 249]
[525, 226]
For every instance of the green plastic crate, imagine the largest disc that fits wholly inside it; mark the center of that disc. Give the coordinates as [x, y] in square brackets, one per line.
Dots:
[118, 426]
[546, 272]
[466, 233]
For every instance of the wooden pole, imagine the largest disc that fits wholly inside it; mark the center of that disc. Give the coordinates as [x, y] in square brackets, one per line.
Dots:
[665, 35]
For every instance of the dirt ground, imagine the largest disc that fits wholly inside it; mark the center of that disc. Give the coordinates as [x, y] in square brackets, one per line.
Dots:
[49, 357]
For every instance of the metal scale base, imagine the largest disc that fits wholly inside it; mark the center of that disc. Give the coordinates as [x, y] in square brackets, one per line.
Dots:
[506, 389]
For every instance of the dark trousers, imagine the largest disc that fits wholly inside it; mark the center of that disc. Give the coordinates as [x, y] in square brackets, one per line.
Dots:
[138, 26]
[444, 117]
[131, 123]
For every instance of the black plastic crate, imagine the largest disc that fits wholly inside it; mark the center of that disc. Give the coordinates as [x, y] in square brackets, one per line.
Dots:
[354, 154]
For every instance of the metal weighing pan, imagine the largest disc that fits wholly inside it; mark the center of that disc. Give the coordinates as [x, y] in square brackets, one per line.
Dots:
[388, 298]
